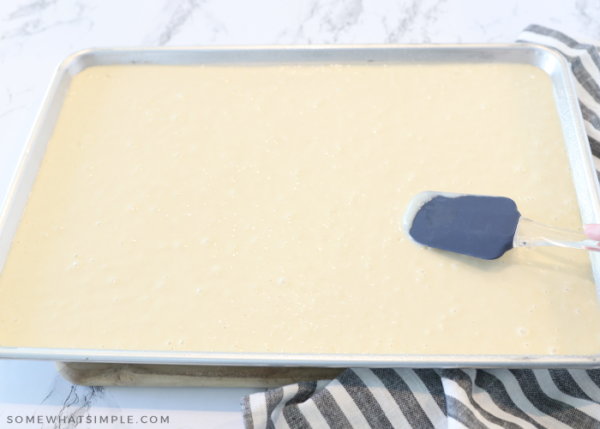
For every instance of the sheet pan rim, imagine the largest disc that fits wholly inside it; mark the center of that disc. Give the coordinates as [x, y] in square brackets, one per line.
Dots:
[290, 359]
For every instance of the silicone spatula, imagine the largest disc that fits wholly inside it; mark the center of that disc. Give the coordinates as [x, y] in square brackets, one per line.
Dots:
[482, 226]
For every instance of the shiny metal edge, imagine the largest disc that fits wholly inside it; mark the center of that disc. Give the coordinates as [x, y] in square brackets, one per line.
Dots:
[304, 360]
[586, 183]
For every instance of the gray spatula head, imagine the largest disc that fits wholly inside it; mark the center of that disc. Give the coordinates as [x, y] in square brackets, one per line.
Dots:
[474, 225]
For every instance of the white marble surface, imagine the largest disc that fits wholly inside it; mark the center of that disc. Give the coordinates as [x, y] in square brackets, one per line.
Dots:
[36, 35]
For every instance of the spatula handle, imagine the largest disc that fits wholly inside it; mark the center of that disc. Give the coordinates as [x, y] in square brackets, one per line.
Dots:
[531, 234]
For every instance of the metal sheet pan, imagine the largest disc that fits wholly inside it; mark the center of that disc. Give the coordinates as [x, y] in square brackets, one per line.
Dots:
[552, 63]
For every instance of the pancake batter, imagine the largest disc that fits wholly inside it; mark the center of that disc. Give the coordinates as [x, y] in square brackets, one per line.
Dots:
[260, 209]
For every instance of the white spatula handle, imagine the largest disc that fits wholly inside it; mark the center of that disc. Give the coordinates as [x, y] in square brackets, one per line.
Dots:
[531, 234]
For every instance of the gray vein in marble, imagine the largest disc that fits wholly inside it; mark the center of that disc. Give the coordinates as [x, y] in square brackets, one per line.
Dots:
[491, 24]
[183, 12]
[588, 12]
[216, 27]
[76, 402]
[81, 404]
[9, 100]
[37, 24]
[515, 10]
[11, 110]
[34, 27]
[417, 16]
[299, 34]
[347, 15]
[335, 18]
[31, 8]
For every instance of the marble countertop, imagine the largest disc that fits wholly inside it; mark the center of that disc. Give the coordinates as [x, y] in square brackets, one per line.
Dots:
[36, 35]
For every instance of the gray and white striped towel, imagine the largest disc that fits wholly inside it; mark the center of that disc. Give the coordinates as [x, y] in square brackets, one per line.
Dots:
[432, 398]
[585, 66]
[452, 398]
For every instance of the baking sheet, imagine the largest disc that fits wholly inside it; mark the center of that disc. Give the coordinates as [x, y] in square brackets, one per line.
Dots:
[576, 141]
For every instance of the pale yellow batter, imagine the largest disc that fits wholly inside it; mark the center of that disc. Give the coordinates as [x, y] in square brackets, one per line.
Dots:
[260, 209]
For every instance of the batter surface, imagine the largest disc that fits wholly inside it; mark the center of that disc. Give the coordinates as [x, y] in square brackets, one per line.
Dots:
[260, 209]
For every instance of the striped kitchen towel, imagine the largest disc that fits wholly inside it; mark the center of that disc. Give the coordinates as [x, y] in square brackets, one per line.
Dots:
[585, 65]
[453, 398]
[432, 398]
